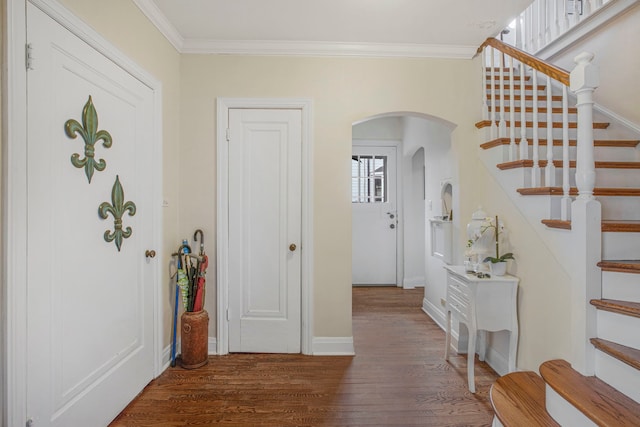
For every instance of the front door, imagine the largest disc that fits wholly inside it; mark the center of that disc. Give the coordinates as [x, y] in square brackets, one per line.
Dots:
[90, 318]
[374, 215]
[265, 215]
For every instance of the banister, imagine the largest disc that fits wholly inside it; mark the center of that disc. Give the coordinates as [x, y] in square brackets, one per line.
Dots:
[550, 70]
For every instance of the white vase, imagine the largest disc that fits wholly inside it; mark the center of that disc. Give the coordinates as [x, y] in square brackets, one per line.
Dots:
[499, 268]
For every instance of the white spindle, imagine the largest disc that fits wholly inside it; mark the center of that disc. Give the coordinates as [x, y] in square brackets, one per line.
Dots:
[531, 29]
[483, 69]
[494, 103]
[502, 125]
[584, 80]
[550, 170]
[535, 170]
[524, 144]
[519, 31]
[512, 112]
[566, 185]
[564, 15]
[542, 23]
[548, 18]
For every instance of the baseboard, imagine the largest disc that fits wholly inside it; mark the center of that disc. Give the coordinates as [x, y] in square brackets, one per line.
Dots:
[213, 346]
[434, 312]
[333, 346]
[413, 282]
[497, 361]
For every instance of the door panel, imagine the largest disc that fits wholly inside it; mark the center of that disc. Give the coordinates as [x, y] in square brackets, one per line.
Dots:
[264, 220]
[374, 216]
[90, 317]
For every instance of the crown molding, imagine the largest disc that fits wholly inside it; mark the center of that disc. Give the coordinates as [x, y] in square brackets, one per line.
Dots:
[301, 48]
[296, 48]
[157, 18]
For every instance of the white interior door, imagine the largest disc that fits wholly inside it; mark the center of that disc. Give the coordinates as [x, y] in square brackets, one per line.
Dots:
[90, 317]
[374, 222]
[264, 230]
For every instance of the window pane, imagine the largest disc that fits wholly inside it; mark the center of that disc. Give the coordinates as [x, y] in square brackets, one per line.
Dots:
[369, 179]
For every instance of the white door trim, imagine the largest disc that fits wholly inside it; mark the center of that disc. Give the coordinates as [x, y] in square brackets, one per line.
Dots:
[223, 106]
[14, 197]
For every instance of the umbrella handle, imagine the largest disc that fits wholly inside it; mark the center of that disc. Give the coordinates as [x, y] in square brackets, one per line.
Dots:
[195, 239]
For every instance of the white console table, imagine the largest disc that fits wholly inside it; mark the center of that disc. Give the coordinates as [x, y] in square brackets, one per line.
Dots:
[487, 304]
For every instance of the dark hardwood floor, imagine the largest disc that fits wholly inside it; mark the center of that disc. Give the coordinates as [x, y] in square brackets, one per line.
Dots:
[397, 378]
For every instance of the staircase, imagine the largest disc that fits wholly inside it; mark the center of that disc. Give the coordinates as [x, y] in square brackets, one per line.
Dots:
[552, 162]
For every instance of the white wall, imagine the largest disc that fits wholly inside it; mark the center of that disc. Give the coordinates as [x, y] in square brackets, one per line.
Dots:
[617, 56]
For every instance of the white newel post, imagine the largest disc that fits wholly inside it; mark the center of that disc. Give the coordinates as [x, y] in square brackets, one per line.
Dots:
[586, 219]
[583, 81]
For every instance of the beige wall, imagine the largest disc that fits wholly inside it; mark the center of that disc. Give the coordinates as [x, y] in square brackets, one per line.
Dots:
[343, 90]
[122, 23]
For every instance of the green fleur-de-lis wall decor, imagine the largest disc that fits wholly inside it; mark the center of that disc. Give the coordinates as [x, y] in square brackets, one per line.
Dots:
[117, 208]
[90, 133]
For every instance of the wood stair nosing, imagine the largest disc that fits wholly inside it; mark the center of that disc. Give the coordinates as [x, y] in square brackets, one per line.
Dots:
[628, 355]
[617, 143]
[598, 191]
[518, 399]
[542, 110]
[620, 266]
[541, 124]
[526, 97]
[626, 308]
[527, 163]
[516, 86]
[608, 226]
[597, 400]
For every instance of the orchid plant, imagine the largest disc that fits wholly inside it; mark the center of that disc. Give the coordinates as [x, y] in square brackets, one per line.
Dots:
[498, 230]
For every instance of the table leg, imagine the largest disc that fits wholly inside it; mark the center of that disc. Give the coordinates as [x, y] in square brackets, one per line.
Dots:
[513, 350]
[483, 345]
[447, 345]
[471, 355]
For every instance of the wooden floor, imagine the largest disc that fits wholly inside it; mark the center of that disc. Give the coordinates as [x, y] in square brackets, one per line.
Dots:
[397, 378]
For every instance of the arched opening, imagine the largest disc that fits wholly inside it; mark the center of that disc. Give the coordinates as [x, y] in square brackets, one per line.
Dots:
[423, 162]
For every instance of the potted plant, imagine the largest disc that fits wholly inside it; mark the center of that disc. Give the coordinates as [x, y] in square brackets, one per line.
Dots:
[499, 262]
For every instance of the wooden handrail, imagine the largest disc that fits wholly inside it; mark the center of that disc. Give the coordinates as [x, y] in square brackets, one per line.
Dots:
[550, 70]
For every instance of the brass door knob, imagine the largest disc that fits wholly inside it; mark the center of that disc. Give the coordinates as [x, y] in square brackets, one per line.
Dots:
[292, 247]
[150, 253]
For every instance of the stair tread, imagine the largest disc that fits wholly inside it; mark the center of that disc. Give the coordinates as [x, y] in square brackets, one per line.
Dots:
[541, 124]
[515, 164]
[628, 355]
[614, 143]
[626, 308]
[527, 97]
[609, 225]
[601, 403]
[515, 86]
[621, 266]
[598, 191]
[554, 110]
[518, 399]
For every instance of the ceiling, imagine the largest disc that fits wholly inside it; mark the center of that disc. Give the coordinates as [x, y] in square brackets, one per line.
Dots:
[401, 28]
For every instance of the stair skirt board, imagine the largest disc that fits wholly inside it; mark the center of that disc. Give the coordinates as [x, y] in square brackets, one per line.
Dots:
[563, 412]
[618, 375]
[620, 286]
[618, 328]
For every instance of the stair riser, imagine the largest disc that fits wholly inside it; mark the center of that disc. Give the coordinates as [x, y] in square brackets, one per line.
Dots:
[563, 412]
[618, 374]
[619, 207]
[619, 328]
[620, 246]
[621, 286]
[603, 154]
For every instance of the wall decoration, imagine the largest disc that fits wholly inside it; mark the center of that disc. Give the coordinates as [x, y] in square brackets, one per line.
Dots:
[117, 208]
[90, 133]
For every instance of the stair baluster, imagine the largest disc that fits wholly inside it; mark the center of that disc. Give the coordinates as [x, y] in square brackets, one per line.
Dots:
[494, 128]
[565, 204]
[512, 111]
[550, 170]
[524, 144]
[535, 170]
[502, 128]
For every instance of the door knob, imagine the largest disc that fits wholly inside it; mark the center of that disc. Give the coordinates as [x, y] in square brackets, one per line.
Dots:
[292, 247]
[150, 253]
[392, 226]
